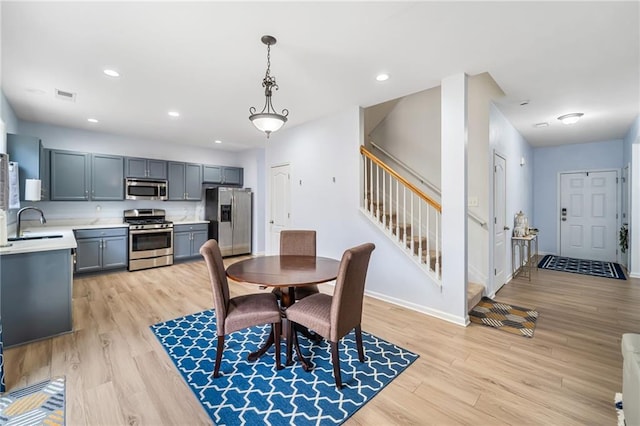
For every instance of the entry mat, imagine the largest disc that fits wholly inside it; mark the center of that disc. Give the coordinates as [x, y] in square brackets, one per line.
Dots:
[254, 393]
[595, 268]
[38, 404]
[509, 318]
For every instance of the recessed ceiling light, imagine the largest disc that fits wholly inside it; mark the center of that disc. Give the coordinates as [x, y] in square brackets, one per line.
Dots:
[111, 73]
[92, 120]
[174, 113]
[382, 77]
[217, 141]
[570, 118]
[544, 124]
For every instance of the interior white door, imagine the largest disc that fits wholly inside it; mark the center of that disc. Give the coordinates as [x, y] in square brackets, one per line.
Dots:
[500, 226]
[280, 204]
[588, 215]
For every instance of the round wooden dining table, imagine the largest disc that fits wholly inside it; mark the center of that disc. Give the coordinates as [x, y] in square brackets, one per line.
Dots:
[285, 272]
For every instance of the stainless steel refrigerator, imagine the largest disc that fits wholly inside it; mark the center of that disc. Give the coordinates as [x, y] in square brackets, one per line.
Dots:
[228, 211]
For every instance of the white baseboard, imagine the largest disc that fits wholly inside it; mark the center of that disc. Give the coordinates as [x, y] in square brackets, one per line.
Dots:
[418, 308]
[634, 274]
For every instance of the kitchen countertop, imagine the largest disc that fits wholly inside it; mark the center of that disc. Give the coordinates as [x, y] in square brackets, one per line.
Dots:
[67, 241]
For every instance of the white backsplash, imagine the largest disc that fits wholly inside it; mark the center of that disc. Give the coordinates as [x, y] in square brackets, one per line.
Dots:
[107, 212]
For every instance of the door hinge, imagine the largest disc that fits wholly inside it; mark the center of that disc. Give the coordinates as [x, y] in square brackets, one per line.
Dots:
[495, 272]
[495, 169]
[616, 215]
[616, 180]
[495, 220]
[288, 215]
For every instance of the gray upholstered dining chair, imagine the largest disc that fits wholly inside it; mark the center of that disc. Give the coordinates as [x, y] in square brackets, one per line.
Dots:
[335, 316]
[233, 314]
[295, 242]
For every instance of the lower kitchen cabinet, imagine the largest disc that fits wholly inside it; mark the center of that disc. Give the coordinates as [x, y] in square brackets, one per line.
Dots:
[187, 240]
[101, 249]
[35, 295]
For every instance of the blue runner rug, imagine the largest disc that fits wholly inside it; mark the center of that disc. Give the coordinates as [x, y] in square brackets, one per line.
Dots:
[596, 268]
[254, 393]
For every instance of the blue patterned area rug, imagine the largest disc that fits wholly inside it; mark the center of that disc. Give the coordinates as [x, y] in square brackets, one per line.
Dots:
[254, 393]
[596, 268]
[38, 404]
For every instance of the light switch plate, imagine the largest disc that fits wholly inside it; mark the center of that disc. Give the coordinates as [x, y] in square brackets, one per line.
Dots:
[472, 202]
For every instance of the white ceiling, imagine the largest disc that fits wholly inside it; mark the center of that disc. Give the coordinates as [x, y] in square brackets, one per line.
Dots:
[205, 59]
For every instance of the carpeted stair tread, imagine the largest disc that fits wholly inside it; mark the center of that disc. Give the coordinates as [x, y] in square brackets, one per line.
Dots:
[474, 294]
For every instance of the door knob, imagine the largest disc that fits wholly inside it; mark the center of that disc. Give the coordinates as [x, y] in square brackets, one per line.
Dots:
[506, 228]
[271, 221]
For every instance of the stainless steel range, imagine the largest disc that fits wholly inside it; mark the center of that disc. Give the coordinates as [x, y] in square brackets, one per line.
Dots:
[150, 238]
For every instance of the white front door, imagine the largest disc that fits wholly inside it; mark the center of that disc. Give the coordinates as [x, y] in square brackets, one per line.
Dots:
[500, 227]
[588, 215]
[280, 211]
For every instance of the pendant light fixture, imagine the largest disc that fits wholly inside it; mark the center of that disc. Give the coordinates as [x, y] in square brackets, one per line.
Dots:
[268, 120]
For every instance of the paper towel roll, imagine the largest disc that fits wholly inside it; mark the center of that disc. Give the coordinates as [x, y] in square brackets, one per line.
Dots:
[3, 228]
[32, 189]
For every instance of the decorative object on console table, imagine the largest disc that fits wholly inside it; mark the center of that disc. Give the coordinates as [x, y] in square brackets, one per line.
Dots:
[520, 225]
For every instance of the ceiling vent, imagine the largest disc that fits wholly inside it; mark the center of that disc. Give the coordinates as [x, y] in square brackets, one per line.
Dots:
[67, 96]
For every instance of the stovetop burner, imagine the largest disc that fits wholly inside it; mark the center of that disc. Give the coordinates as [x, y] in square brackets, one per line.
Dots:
[146, 218]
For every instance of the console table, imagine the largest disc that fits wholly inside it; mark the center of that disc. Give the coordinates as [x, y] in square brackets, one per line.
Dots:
[527, 260]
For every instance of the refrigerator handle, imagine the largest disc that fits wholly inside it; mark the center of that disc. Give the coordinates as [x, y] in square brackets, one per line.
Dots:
[233, 212]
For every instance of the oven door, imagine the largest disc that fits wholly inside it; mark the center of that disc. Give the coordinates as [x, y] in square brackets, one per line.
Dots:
[146, 243]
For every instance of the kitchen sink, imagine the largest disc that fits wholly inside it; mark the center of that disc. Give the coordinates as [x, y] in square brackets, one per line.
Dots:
[35, 237]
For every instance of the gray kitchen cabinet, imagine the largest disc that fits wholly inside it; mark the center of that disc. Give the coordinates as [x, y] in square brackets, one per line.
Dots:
[107, 183]
[145, 168]
[101, 249]
[32, 159]
[187, 240]
[70, 175]
[35, 295]
[222, 175]
[185, 181]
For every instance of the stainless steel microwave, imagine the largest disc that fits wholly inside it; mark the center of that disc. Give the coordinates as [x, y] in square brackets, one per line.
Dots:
[145, 189]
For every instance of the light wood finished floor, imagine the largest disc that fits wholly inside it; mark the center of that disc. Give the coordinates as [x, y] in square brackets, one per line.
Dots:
[117, 373]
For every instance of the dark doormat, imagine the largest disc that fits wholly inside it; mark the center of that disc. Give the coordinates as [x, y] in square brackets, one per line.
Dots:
[509, 318]
[595, 268]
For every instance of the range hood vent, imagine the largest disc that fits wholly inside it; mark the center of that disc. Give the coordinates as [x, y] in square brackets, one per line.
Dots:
[67, 96]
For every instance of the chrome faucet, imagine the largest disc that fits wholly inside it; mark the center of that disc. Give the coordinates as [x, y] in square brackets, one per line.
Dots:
[42, 219]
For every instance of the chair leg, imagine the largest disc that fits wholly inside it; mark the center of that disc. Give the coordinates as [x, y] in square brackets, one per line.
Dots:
[289, 330]
[276, 329]
[359, 343]
[335, 360]
[219, 350]
[306, 365]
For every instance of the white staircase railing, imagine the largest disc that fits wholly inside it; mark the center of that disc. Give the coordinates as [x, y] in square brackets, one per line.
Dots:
[406, 214]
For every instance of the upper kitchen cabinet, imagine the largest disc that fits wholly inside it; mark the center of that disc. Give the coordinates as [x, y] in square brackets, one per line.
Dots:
[145, 168]
[79, 176]
[70, 175]
[185, 181]
[32, 159]
[107, 183]
[222, 175]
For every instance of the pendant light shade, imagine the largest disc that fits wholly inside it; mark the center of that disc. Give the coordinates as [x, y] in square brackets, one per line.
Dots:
[268, 120]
